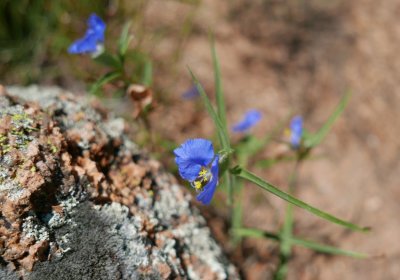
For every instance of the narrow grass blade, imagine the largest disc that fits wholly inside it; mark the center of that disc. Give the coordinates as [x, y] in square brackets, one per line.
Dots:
[218, 86]
[256, 233]
[242, 173]
[316, 138]
[147, 78]
[326, 248]
[217, 122]
[124, 40]
[103, 80]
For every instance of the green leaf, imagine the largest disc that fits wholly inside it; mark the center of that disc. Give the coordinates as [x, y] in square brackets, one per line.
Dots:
[147, 79]
[242, 173]
[218, 86]
[256, 233]
[326, 248]
[124, 40]
[108, 60]
[314, 139]
[211, 111]
[221, 111]
[103, 80]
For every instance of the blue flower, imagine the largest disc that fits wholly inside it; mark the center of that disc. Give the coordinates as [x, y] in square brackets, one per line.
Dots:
[191, 93]
[296, 131]
[93, 38]
[198, 164]
[251, 118]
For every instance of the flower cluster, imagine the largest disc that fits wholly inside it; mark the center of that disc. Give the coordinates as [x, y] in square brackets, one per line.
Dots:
[250, 119]
[296, 131]
[93, 39]
[191, 93]
[198, 164]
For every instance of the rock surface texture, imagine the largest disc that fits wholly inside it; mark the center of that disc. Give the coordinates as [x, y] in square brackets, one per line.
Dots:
[78, 200]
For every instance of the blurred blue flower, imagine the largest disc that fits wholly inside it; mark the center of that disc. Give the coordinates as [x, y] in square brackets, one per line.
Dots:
[198, 164]
[251, 118]
[296, 131]
[191, 93]
[93, 39]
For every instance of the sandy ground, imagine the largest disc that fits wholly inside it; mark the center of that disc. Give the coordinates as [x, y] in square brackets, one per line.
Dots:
[301, 56]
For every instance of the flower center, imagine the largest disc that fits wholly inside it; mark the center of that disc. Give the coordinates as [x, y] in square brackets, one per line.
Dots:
[202, 179]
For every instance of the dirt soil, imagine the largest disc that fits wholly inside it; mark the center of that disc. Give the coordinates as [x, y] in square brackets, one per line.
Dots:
[278, 56]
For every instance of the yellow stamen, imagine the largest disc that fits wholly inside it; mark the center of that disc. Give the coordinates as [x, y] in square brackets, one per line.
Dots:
[202, 179]
[287, 132]
[203, 172]
[197, 185]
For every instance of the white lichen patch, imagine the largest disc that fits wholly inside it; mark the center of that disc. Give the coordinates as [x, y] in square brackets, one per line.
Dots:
[16, 193]
[114, 128]
[31, 227]
[69, 203]
[11, 187]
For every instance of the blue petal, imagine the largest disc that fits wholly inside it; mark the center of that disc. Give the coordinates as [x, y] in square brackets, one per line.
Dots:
[296, 131]
[187, 169]
[251, 118]
[96, 26]
[207, 194]
[192, 155]
[191, 93]
[93, 36]
[87, 44]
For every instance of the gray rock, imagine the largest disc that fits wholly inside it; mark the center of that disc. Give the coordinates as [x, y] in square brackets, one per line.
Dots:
[102, 209]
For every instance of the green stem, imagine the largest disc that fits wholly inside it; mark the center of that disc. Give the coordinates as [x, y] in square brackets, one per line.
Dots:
[236, 216]
[237, 209]
[287, 230]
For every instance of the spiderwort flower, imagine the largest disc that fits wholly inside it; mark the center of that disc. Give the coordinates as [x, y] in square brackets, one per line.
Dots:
[93, 39]
[191, 93]
[296, 131]
[198, 164]
[251, 118]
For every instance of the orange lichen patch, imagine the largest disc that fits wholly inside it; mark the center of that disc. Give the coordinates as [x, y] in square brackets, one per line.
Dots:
[91, 170]
[164, 270]
[30, 178]
[5, 124]
[37, 252]
[200, 269]
[161, 237]
[27, 170]
[129, 175]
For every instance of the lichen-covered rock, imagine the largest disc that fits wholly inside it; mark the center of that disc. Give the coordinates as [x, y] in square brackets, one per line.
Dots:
[78, 200]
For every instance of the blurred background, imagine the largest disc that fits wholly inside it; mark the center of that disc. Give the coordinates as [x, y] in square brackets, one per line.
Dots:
[276, 56]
